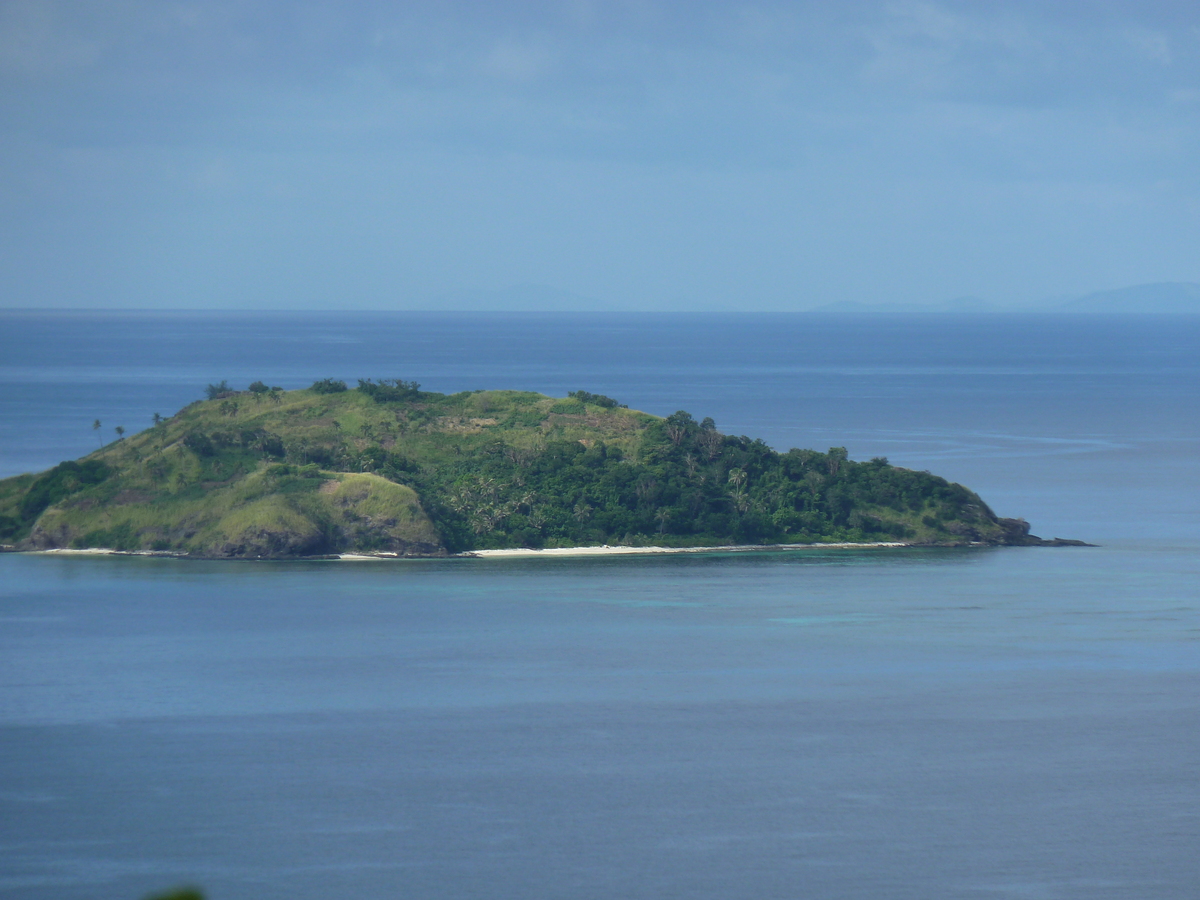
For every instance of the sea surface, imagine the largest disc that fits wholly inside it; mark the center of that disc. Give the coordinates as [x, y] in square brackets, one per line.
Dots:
[909, 723]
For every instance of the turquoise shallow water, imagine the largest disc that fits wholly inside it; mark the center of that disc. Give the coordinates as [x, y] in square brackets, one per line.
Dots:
[842, 724]
[845, 724]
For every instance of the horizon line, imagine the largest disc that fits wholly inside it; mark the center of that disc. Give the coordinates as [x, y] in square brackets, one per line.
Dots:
[823, 311]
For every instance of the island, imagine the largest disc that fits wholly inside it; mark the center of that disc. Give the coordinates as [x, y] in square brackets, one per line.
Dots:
[387, 469]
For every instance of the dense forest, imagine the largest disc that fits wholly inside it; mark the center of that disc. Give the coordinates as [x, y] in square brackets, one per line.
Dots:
[688, 485]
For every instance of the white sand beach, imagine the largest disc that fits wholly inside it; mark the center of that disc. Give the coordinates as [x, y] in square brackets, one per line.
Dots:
[91, 551]
[605, 550]
[101, 551]
[626, 551]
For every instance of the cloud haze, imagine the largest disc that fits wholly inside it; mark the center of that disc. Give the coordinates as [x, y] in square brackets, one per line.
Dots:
[648, 155]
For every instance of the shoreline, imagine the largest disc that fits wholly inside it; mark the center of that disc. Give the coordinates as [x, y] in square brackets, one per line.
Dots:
[515, 553]
[101, 551]
[555, 552]
[608, 550]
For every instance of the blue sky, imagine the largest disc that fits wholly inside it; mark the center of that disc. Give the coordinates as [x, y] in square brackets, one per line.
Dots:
[623, 155]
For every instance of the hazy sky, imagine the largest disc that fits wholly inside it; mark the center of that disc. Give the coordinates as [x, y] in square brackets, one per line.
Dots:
[645, 154]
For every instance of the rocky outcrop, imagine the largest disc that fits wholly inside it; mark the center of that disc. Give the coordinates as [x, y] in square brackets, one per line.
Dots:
[269, 544]
[1016, 534]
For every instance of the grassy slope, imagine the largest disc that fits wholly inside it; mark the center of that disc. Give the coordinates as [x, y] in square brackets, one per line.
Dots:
[301, 472]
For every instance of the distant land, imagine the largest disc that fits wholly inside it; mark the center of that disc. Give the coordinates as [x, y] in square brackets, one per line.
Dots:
[965, 305]
[1163, 298]
[389, 469]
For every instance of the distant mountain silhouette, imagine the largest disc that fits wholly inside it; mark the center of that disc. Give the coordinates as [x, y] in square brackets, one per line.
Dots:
[966, 305]
[1163, 297]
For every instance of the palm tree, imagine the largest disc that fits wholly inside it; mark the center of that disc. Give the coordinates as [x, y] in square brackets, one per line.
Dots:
[96, 428]
[262, 442]
[120, 430]
[737, 477]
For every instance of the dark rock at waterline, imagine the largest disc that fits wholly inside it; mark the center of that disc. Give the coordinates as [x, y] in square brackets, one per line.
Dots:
[1016, 534]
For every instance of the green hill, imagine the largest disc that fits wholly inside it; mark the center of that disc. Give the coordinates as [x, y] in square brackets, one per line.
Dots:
[388, 468]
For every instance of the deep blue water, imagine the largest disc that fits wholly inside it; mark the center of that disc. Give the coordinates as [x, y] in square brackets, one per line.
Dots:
[844, 724]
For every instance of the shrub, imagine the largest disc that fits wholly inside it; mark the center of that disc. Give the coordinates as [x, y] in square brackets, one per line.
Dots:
[10, 527]
[179, 894]
[214, 391]
[61, 481]
[198, 443]
[328, 386]
[597, 400]
[389, 390]
[119, 537]
[572, 407]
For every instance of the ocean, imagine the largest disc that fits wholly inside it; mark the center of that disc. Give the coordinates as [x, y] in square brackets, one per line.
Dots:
[906, 723]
